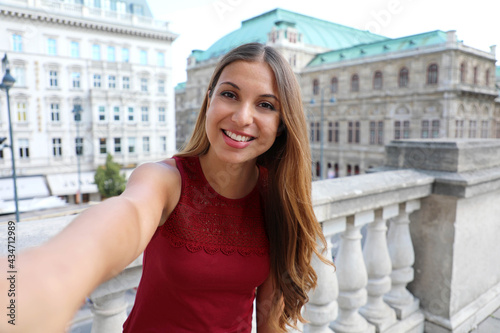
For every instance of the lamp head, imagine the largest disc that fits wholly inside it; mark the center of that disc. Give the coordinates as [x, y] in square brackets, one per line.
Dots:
[5, 63]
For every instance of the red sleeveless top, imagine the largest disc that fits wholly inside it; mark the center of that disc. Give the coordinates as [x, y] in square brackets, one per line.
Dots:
[202, 266]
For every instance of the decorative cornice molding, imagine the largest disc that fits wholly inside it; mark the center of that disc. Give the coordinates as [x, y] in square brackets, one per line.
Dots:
[88, 24]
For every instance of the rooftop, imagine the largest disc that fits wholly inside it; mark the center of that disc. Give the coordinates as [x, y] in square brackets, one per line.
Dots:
[381, 47]
[314, 32]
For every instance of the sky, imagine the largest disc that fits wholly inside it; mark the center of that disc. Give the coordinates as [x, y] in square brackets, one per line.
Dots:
[200, 23]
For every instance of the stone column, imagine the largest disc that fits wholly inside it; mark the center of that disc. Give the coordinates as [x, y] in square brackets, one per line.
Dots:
[402, 257]
[379, 268]
[110, 312]
[352, 277]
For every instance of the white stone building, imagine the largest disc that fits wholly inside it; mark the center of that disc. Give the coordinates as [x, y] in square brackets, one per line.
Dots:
[111, 60]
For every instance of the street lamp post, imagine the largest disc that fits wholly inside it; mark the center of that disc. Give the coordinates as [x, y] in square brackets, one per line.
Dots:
[7, 83]
[77, 110]
[321, 134]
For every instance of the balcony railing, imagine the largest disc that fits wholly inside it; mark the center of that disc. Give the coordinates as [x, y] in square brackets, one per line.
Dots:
[414, 249]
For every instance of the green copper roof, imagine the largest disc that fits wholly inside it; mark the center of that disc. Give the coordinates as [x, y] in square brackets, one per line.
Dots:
[180, 86]
[381, 47]
[497, 73]
[314, 32]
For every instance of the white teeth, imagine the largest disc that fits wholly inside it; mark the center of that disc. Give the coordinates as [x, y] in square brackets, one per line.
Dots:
[239, 138]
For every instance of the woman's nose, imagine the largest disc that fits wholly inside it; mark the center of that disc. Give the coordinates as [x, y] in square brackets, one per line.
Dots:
[243, 115]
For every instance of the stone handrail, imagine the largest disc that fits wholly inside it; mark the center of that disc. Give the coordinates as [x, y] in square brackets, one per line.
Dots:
[359, 295]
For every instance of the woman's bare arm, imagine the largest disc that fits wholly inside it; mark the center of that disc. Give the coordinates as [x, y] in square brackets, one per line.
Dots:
[264, 302]
[54, 279]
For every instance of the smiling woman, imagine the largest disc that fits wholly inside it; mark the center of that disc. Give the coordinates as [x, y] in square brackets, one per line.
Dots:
[227, 221]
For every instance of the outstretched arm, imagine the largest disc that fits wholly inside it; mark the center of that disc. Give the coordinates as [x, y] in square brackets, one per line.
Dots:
[54, 278]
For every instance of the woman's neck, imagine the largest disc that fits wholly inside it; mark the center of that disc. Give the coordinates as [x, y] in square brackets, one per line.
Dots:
[232, 181]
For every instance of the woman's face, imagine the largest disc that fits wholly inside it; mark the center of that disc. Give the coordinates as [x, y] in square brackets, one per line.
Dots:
[243, 112]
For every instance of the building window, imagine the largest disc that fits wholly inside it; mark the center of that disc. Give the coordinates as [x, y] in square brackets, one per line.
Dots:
[102, 146]
[487, 77]
[357, 132]
[315, 87]
[111, 82]
[355, 83]
[404, 77]
[484, 129]
[79, 146]
[137, 10]
[459, 128]
[125, 55]
[75, 79]
[116, 113]
[432, 74]
[472, 129]
[435, 129]
[96, 52]
[144, 84]
[131, 145]
[311, 135]
[22, 112]
[401, 129]
[350, 130]
[330, 131]
[318, 132]
[130, 113]
[161, 86]
[74, 49]
[373, 132]
[144, 114]
[475, 75]
[51, 47]
[336, 137]
[145, 144]
[97, 81]
[54, 112]
[160, 59]
[77, 116]
[463, 72]
[163, 144]
[53, 78]
[425, 129]
[56, 147]
[377, 80]
[161, 114]
[102, 113]
[17, 43]
[111, 54]
[126, 83]
[24, 148]
[334, 85]
[406, 129]
[118, 145]
[20, 76]
[143, 57]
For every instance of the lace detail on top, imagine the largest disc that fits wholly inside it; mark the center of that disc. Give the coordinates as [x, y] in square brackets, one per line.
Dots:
[205, 220]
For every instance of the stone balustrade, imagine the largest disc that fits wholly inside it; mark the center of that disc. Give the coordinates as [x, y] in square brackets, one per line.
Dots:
[415, 249]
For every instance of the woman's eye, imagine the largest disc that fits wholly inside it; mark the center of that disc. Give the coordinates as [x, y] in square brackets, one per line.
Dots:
[267, 105]
[228, 94]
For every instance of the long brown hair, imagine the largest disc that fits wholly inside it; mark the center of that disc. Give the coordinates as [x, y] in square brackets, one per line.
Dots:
[292, 228]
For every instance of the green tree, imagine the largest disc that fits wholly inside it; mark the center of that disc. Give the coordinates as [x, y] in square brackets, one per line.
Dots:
[108, 179]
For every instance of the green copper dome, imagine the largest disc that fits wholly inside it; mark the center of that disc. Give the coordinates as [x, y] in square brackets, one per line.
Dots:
[314, 32]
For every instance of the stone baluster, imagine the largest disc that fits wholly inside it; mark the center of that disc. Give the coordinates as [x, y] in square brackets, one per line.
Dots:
[379, 267]
[352, 277]
[322, 307]
[402, 257]
[110, 312]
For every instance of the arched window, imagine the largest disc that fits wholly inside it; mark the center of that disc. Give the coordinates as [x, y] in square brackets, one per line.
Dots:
[315, 87]
[355, 82]
[334, 85]
[403, 77]
[463, 72]
[377, 80]
[475, 75]
[432, 74]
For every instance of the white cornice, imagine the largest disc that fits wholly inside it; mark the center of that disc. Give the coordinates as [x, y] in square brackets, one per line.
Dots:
[86, 23]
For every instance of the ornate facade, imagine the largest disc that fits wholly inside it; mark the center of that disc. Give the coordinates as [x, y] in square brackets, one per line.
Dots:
[362, 90]
[113, 64]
